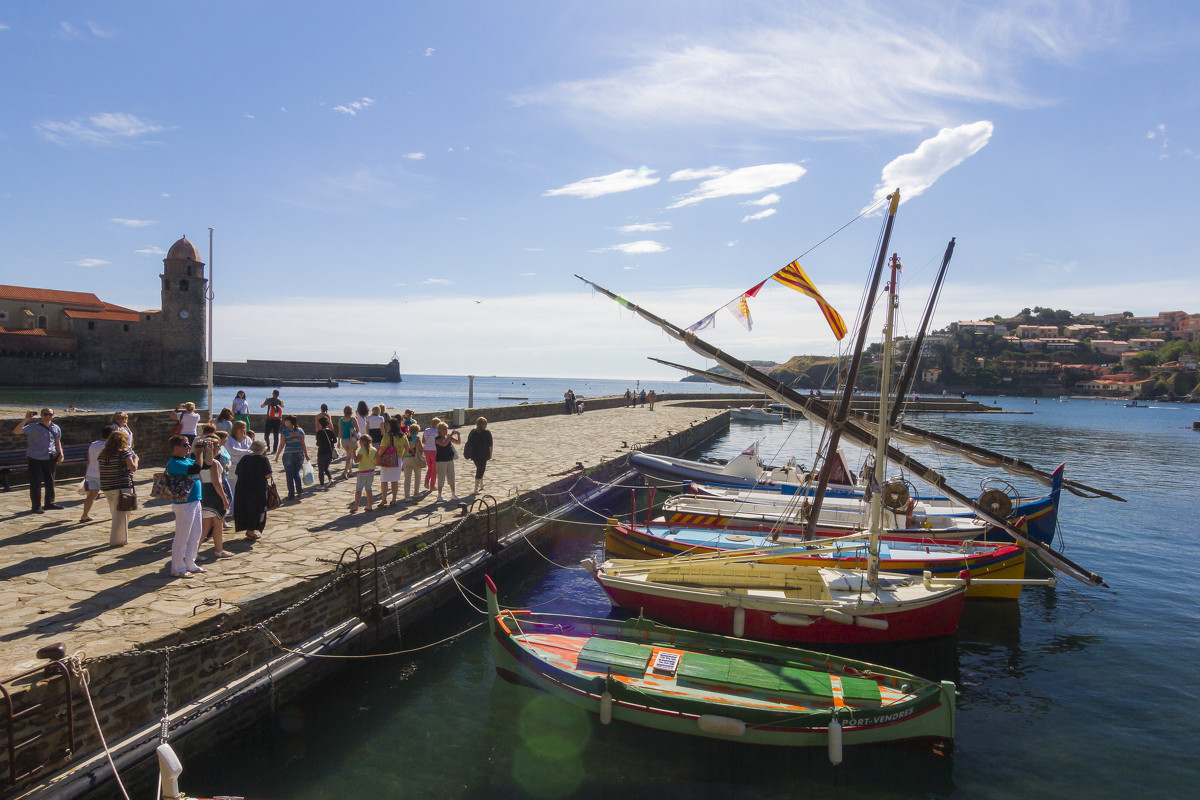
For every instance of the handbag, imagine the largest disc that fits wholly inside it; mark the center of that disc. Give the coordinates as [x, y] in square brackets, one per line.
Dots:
[127, 499]
[176, 488]
[468, 448]
[176, 428]
[388, 457]
[273, 500]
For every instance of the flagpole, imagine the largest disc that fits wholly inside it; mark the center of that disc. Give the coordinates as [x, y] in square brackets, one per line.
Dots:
[211, 416]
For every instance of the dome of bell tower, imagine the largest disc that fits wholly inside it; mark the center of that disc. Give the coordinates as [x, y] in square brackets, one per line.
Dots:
[183, 250]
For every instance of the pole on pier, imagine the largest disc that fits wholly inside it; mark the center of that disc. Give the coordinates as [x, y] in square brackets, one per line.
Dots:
[470, 391]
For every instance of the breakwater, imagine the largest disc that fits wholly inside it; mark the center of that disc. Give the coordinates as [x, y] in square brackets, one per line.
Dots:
[229, 645]
[232, 373]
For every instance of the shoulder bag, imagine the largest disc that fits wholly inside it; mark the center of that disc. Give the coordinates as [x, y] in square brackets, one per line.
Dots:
[127, 500]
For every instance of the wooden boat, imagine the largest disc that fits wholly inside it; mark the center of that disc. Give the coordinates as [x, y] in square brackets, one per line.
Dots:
[743, 470]
[750, 595]
[754, 415]
[734, 690]
[997, 570]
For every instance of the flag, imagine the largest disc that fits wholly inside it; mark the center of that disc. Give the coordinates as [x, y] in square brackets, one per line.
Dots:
[794, 277]
[741, 309]
[708, 322]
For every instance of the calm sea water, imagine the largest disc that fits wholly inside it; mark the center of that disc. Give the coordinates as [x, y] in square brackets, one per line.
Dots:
[1072, 692]
[418, 392]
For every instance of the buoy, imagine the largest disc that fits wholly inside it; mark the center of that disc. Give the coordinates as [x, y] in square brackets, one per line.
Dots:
[872, 623]
[834, 615]
[739, 622]
[605, 707]
[725, 726]
[835, 741]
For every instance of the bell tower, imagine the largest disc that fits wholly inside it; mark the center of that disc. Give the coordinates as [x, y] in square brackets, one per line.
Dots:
[184, 303]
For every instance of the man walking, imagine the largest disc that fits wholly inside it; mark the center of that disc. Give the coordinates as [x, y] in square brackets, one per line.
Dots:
[43, 452]
[274, 407]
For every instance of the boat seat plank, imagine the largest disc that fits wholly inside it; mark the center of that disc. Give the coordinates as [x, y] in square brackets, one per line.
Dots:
[739, 673]
[615, 653]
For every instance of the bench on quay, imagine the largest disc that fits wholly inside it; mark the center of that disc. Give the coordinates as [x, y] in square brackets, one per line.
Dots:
[15, 459]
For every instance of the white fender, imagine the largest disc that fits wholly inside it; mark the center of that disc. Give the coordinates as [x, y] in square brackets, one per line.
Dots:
[725, 726]
[873, 624]
[793, 619]
[739, 622]
[606, 701]
[835, 742]
[834, 615]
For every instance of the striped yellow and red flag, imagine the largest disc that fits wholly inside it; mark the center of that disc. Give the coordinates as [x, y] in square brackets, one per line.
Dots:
[794, 277]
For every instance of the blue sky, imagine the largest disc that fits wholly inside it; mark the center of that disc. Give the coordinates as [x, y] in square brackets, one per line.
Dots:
[427, 178]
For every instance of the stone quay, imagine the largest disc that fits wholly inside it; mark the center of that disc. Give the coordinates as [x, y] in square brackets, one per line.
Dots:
[230, 643]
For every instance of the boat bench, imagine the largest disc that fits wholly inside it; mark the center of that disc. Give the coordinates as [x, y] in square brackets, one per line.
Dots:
[15, 459]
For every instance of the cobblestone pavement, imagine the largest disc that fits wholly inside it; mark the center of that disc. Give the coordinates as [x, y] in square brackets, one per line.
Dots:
[61, 582]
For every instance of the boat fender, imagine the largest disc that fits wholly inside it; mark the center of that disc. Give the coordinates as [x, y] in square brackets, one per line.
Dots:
[872, 623]
[965, 576]
[801, 620]
[739, 622]
[724, 726]
[908, 514]
[835, 741]
[606, 703]
[589, 564]
[834, 615]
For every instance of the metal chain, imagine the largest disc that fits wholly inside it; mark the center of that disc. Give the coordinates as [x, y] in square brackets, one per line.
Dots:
[164, 731]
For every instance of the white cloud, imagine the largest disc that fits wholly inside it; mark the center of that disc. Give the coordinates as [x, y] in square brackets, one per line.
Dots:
[152, 251]
[97, 31]
[90, 262]
[844, 67]
[766, 212]
[134, 223]
[414, 156]
[623, 181]
[697, 174]
[766, 200]
[352, 108]
[101, 130]
[645, 227]
[429, 51]
[747, 180]
[915, 172]
[637, 248]
[436, 282]
[248, 115]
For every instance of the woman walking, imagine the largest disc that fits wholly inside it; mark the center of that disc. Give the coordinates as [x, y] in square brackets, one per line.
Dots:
[348, 428]
[414, 461]
[91, 479]
[238, 444]
[325, 444]
[391, 448]
[429, 448]
[188, 420]
[250, 491]
[375, 425]
[213, 501]
[241, 408]
[118, 462]
[187, 510]
[224, 420]
[295, 452]
[479, 449]
[444, 456]
[120, 422]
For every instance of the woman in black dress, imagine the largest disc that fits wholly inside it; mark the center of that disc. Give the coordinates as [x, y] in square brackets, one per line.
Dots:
[250, 493]
[479, 449]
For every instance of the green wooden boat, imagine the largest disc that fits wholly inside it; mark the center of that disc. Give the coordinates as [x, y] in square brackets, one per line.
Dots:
[719, 687]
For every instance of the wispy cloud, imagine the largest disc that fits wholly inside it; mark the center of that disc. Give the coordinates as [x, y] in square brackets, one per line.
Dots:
[766, 212]
[645, 227]
[90, 262]
[429, 51]
[352, 108]
[766, 200]
[436, 282]
[915, 172]
[99, 130]
[151, 251]
[697, 174]
[638, 248]
[842, 67]
[623, 181]
[134, 223]
[414, 156]
[747, 180]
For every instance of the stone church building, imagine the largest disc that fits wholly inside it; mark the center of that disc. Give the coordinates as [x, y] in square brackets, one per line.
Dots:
[68, 338]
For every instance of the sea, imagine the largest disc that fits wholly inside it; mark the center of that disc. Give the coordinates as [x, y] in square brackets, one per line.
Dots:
[418, 392]
[1070, 692]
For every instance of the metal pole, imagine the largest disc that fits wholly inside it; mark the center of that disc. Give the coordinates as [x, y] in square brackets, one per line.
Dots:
[470, 391]
[211, 416]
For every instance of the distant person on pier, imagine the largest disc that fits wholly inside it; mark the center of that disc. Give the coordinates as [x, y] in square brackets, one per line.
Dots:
[348, 428]
[629, 398]
[250, 491]
[414, 461]
[650, 398]
[224, 420]
[569, 401]
[479, 449]
[444, 457]
[642, 397]
[274, 407]
[240, 408]
[91, 478]
[117, 462]
[326, 442]
[429, 447]
[187, 511]
[188, 419]
[364, 465]
[294, 453]
[43, 453]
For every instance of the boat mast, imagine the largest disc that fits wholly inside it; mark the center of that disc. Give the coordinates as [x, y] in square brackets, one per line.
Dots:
[914, 353]
[843, 409]
[881, 430]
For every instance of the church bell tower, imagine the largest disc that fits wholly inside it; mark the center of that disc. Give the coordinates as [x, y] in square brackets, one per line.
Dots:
[184, 303]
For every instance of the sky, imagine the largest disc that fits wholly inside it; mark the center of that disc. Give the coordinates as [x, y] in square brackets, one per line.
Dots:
[427, 179]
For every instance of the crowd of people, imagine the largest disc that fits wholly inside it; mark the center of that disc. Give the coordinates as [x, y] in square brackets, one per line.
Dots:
[220, 472]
